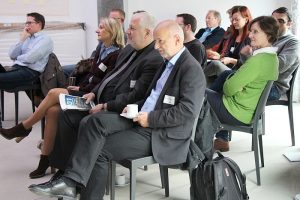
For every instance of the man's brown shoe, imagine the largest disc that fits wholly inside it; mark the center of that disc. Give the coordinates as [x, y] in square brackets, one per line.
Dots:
[221, 145]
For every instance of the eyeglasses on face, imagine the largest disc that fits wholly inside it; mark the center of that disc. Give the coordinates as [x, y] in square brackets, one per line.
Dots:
[29, 23]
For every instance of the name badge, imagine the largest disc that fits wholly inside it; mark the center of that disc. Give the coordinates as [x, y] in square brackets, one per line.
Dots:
[232, 49]
[169, 100]
[102, 67]
[132, 83]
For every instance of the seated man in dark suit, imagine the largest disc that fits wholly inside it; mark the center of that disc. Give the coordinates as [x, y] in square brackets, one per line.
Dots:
[128, 86]
[162, 128]
[213, 33]
[188, 23]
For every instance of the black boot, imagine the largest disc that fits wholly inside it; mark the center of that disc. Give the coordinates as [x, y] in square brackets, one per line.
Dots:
[16, 131]
[41, 170]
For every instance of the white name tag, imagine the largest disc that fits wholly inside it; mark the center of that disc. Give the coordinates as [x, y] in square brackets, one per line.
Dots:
[232, 49]
[102, 67]
[132, 83]
[169, 100]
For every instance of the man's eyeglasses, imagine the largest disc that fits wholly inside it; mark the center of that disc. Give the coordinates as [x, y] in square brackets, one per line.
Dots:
[29, 23]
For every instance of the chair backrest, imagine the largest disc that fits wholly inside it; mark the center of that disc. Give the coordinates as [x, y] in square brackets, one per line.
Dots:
[290, 92]
[260, 108]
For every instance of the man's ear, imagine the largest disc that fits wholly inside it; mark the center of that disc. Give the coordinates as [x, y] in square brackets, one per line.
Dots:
[289, 24]
[147, 32]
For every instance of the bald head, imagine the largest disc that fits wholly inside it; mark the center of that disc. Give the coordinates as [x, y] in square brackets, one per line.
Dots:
[168, 36]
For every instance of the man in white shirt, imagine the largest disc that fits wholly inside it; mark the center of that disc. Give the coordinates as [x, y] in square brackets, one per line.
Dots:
[30, 54]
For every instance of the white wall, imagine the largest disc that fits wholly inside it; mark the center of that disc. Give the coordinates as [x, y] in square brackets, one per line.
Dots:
[79, 11]
[167, 9]
[86, 11]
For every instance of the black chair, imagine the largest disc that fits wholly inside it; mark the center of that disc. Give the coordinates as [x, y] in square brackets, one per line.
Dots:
[253, 129]
[134, 164]
[289, 103]
[30, 88]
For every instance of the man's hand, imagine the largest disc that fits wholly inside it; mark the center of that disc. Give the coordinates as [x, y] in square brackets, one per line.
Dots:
[75, 88]
[97, 108]
[24, 35]
[89, 97]
[213, 54]
[228, 60]
[142, 119]
[247, 50]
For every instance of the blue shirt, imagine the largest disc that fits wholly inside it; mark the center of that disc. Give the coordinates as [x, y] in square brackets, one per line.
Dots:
[150, 102]
[206, 33]
[106, 50]
[33, 52]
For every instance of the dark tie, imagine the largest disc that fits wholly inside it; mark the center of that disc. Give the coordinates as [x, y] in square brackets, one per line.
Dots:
[104, 83]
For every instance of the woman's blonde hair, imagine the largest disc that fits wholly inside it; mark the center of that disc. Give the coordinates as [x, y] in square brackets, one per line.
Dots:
[114, 27]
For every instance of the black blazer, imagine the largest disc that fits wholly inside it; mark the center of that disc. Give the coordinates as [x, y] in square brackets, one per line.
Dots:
[141, 72]
[213, 39]
[172, 124]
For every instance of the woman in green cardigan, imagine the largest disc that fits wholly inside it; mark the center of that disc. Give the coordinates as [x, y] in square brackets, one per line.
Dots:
[237, 102]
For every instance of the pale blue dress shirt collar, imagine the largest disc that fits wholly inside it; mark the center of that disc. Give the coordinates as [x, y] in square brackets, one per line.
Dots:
[151, 101]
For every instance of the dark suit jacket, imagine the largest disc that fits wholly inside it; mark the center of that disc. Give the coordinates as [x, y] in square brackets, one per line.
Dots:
[141, 72]
[213, 39]
[172, 124]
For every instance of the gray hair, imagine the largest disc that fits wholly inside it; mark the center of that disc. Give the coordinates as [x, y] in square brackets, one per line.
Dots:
[216, 15]
[146, 20]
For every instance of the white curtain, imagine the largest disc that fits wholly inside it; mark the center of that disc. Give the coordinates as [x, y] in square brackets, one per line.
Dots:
[296, 17]
[296, 30]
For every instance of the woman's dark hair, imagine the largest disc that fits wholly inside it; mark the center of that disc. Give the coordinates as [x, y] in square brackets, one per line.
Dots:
[38, 18]
[268, 25]
[245, 12]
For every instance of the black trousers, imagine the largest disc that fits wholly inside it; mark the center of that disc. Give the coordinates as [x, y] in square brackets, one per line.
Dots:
[66, 137]
[216, 102]
[102, 137]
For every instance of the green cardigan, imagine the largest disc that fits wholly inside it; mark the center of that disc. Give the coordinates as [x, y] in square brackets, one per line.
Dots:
[242, 90]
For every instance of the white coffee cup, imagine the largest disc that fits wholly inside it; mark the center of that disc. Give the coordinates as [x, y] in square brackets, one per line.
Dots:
[132, 110]
[121, 179]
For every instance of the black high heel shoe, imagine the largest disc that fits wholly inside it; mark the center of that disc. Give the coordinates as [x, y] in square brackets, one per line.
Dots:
[41, 170]
[16, 131]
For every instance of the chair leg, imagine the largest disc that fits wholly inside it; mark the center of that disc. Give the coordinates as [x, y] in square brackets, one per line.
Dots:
[133, 169]
[107, 187]
[2, 105]
[290, 108]
[16, 108]
[263, 121]
[256, 157]
[230, 135]
[164, 175]
[43, 122]
[112, 179]
[261, 150]
[32, 100]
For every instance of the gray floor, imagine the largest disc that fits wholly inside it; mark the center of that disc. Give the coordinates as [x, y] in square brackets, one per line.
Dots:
[280, 178]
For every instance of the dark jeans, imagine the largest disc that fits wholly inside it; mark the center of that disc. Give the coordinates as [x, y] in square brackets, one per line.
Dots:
[19, 77]
[274, 94]
[215, 100]
[217, 85]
